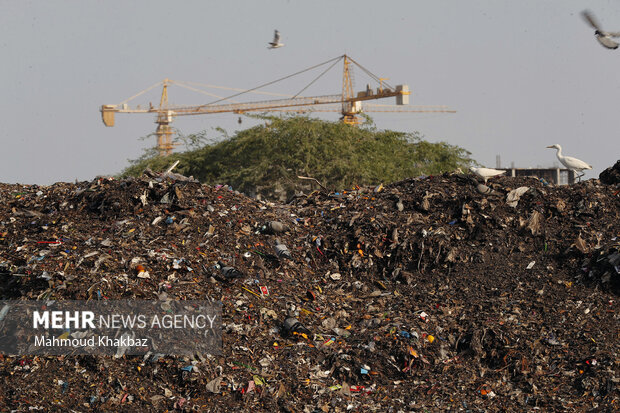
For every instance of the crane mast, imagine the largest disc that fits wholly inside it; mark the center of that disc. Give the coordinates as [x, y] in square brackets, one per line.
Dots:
[164, 119]
[348, 111]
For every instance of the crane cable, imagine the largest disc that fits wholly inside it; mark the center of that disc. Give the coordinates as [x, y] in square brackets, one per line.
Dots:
[229, 98]
[315, 79]
[230, 88]
[272, 82]
[141, 93]
[369, 73]
[200, 91]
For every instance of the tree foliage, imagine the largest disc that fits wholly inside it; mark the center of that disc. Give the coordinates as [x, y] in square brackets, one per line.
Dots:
[270, 156]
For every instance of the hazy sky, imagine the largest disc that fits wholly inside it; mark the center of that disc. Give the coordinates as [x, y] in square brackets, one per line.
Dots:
[521, 75]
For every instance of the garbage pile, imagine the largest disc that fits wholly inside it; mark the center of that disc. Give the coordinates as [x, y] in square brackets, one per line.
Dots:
[430, 294]
[611, 175]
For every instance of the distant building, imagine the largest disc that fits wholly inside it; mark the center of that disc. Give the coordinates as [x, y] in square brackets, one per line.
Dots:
[557, 176]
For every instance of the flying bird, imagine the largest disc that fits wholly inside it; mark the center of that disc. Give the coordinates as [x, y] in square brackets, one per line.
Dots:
[603, 37]
[569, 162]
[275, 43]
[486, 173]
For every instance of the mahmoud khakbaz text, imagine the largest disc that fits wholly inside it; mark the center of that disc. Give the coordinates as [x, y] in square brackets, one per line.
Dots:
[172, 327]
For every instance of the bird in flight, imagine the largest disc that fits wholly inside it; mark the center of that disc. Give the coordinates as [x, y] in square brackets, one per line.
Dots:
[603, 37]
[275, 43]
[569, 162]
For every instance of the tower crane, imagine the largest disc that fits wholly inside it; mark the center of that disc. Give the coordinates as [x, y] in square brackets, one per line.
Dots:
[349, 102]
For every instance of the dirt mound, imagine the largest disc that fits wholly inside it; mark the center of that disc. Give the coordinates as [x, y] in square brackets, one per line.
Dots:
[428, 294]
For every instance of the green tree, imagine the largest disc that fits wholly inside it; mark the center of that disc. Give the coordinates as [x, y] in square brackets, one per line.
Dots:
[270, 156]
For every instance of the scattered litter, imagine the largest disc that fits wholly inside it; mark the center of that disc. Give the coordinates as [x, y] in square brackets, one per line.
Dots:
[512, 199]
[454, 301]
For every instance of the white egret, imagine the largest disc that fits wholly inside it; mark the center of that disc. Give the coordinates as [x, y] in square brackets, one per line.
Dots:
[574, 164]
[486, 173]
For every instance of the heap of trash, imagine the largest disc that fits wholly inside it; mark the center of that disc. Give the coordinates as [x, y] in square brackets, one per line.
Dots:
[436, 293]
[611, 175]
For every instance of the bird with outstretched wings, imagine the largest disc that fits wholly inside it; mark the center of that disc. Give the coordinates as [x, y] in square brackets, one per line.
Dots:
[275, 43]
[603, 37]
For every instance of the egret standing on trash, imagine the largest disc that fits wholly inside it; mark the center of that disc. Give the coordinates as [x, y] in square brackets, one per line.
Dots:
[574, 164]
[486, 173]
